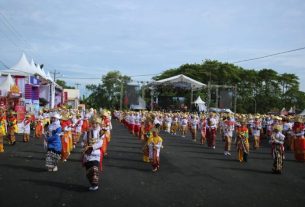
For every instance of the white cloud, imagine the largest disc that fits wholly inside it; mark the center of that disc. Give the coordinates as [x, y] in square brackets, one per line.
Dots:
[91, 37]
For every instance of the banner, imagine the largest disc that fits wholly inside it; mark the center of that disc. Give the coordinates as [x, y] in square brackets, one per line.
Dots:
[20, 110]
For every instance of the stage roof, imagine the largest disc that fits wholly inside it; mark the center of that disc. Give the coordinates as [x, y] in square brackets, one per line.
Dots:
[181, 81]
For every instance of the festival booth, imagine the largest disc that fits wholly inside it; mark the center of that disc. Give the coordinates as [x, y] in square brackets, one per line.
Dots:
[178, 81]
[11, 97]
[32, 82]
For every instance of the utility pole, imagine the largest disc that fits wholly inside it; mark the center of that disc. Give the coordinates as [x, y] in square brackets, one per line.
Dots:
[217, 97]
[54, 74]
[77, 85]
[209, 96]
[121, 96]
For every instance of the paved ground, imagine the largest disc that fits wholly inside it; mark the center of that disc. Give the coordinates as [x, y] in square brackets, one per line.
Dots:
[190, 175]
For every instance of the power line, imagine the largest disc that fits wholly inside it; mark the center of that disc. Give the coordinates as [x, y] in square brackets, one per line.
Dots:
[54, 74]
[265, 56]
[77, 85]
[17, 34]
[13, 29]
[94, 78]
[4, 64]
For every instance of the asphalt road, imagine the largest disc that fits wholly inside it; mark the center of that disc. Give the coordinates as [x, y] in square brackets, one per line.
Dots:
[190, 175]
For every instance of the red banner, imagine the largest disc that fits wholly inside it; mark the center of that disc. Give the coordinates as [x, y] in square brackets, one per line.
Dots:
[20, 110]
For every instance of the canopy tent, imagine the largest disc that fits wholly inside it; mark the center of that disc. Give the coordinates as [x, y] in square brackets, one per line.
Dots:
[302, 113]
[201, 104]
[22, 67]
[6, 85]
[36, 69]
[284, 111]
[291, 110]
[227, 111]
[199, 101]
[181, 81]
[49, 77]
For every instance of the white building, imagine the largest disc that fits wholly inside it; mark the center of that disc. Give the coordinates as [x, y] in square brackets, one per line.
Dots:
[72, 97]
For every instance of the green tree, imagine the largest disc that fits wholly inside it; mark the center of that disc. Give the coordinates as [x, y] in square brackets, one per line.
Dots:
[63, 84]
[264, 88]
[107, 93]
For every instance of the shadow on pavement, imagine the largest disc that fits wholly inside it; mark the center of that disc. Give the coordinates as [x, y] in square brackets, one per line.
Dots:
[129, 167]
[247, 170]
[225, 159]
[23, 167]
[64, 186]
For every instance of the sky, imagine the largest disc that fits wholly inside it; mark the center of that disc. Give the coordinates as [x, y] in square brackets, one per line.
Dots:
[88, 38]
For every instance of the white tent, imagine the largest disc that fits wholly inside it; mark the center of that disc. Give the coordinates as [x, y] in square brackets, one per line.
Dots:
[49, 77]
[182, 80]
[6, 85]
[21, 68]
[227, 111]
[201, 104]
[199, 101]
[140, 106]
[43, 73]
[40, 71]
[34, 70]
[291, 110]
[302, 113]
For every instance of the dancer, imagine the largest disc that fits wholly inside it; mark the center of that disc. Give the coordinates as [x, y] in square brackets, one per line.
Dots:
[53, 143]
[92, 154]
[155, 144]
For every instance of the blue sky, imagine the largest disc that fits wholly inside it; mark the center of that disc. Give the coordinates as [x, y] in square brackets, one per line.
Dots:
[88, 38]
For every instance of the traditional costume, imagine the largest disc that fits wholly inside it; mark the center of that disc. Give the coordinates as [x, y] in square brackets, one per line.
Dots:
[65, 138]
[194, 124]
[12, 128]
[147, 130]
[39, 127]
[277, 141]
[2, 129]
[54, 145]
[243, 142]
[203, 129]
[154, 143]
[93, 154]
[229, 126]
[256, 132]
[106, 126]
[26, 128]
[211, 131]
[77, 129]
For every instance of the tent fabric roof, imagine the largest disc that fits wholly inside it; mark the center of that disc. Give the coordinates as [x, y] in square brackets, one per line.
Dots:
[22, 67]
[181, 79]
[40, 71]
[199, 101]
[6, 85]
[302, 113]
[49, 77]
